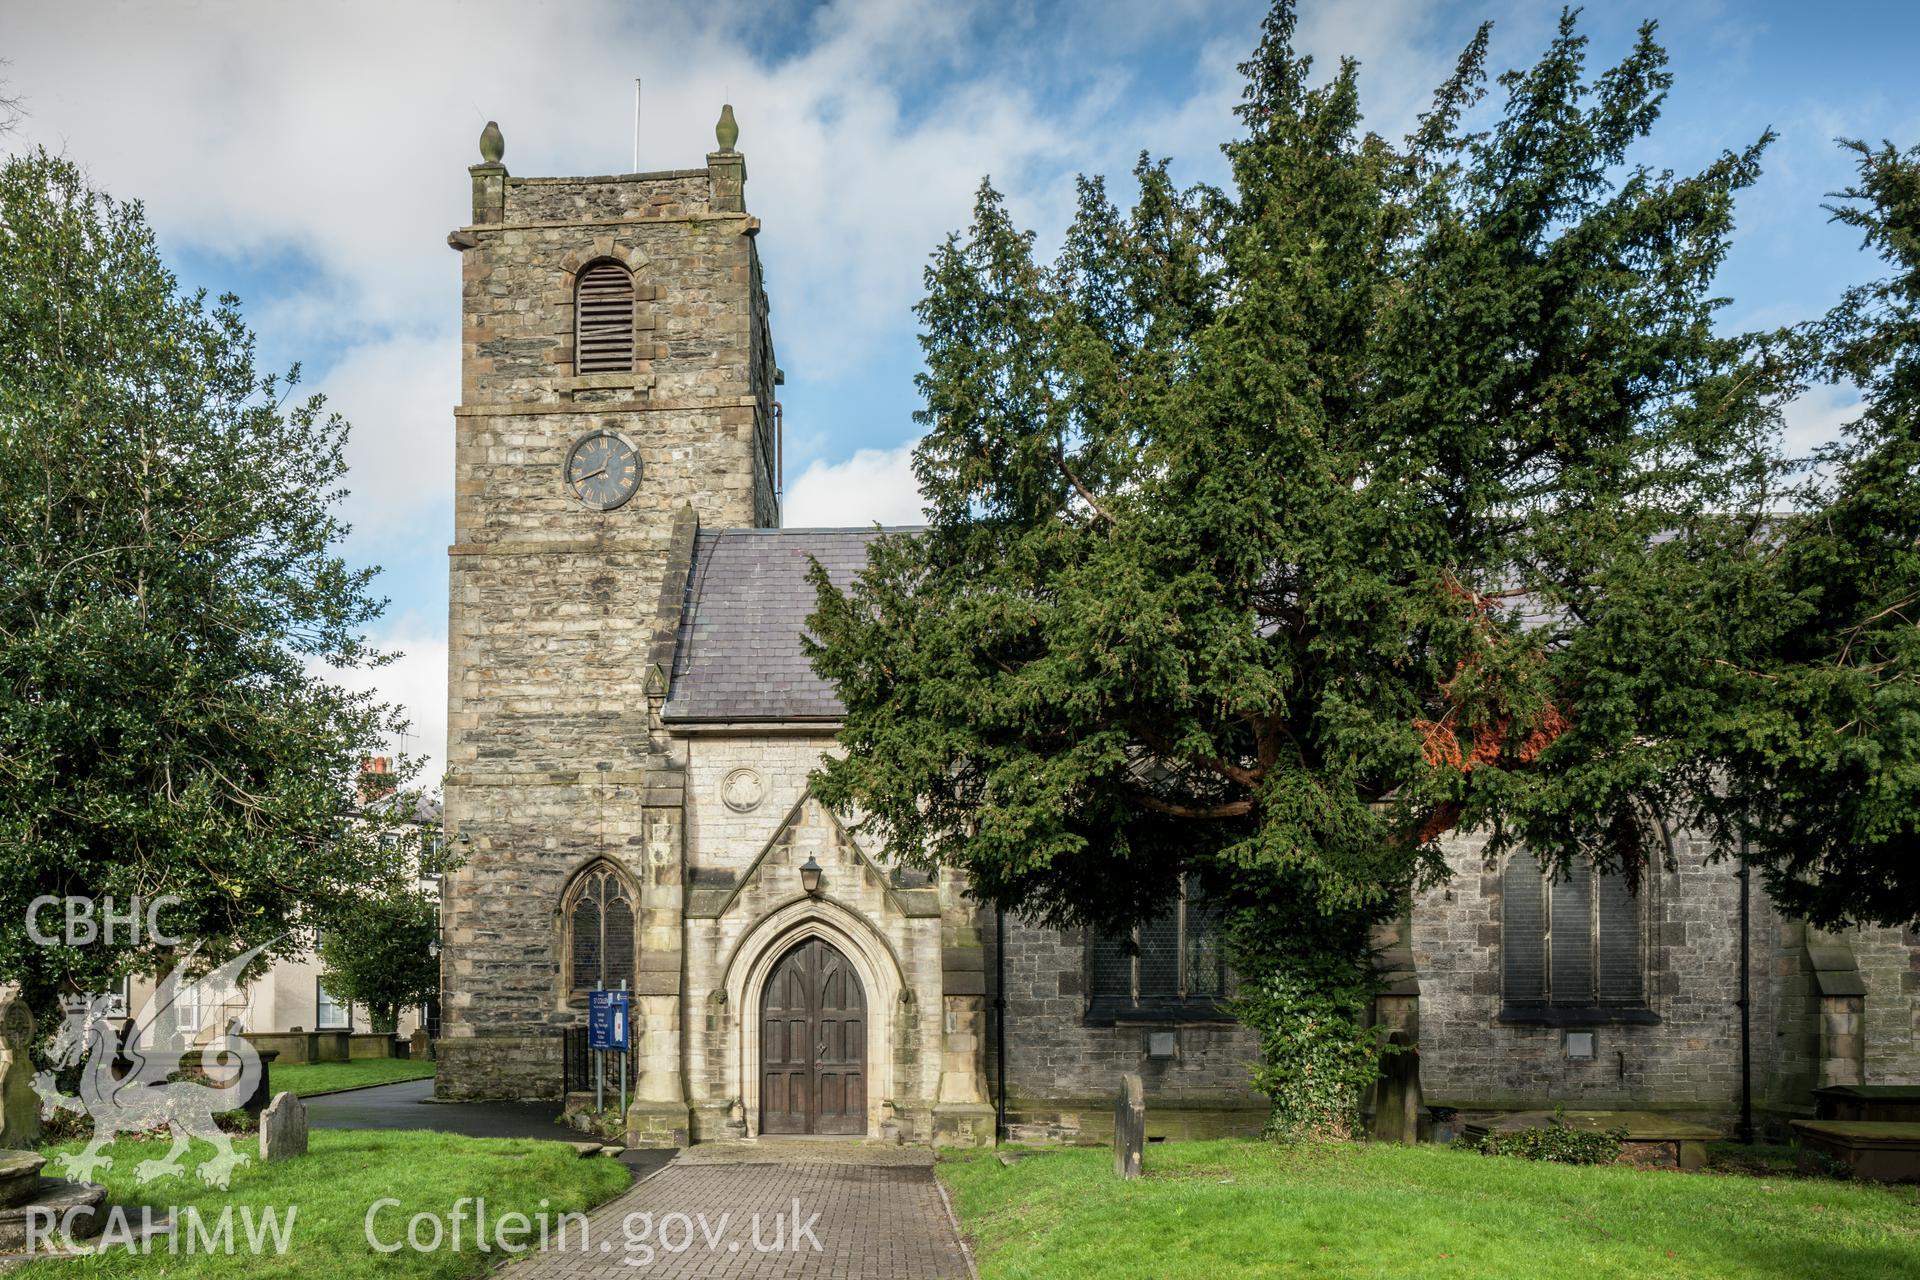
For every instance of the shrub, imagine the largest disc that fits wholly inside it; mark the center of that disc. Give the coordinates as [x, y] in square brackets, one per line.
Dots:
[609, 1124]
[1557, 1144]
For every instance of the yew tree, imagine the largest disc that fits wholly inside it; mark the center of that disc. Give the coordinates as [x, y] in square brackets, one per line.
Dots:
[1277, 531]
[1815, 727]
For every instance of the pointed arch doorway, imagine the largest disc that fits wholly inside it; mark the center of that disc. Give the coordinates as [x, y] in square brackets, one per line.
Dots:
[813, 1044]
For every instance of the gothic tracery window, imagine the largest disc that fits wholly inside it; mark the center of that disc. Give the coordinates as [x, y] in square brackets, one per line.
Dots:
[1170, 965]
[1573, 942]
[600, 931]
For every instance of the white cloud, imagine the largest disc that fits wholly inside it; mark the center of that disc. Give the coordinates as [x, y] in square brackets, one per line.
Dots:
[1817, 417]
[341, 132]
[1405, 49]
[416, 680]
[399, 397]
[874, 485]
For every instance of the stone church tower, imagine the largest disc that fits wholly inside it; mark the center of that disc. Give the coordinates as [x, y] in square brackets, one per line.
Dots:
[616, 395]
[631, 718]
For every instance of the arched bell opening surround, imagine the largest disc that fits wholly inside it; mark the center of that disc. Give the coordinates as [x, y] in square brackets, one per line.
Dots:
[873, 961]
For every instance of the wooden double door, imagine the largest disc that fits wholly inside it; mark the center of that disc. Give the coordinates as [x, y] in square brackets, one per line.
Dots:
[813, 1044]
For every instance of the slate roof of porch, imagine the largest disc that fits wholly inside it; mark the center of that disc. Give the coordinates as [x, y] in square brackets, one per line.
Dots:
[738, 658]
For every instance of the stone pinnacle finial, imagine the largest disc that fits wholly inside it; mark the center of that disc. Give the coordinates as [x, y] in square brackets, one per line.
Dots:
[492, 144]
[726, 132]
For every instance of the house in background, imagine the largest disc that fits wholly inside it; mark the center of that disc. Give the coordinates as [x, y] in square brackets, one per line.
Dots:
[288, 1008]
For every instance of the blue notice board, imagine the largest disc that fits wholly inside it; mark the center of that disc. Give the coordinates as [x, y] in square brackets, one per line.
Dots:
[607, 1020]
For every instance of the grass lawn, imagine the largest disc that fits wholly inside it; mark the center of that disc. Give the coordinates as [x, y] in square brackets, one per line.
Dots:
[310, 1078]
[1224, 1210]
[331, 1189]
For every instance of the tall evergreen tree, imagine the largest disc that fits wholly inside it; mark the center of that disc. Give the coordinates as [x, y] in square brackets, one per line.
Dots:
[1817, 731]
[1277, 531]
[171, 598]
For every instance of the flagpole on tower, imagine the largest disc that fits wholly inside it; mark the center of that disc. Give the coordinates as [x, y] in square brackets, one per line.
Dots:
[636, 126]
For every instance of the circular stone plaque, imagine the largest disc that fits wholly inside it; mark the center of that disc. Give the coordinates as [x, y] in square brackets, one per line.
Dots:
[742, 790]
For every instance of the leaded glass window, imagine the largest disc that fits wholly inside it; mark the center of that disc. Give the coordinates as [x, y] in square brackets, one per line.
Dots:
[600, 923]
[1574, 941]
[1172, 962]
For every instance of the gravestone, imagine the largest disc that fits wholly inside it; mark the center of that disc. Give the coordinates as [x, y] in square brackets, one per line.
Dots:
[1397, 1104]
[1653, 1140]
[283, 1129]
[28, 1197]
[421, 1047]
[32, 1205]
[19, 1105]
[1129, 1127]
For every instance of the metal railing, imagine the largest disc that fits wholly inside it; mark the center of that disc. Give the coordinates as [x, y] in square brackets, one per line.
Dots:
[578, 1066]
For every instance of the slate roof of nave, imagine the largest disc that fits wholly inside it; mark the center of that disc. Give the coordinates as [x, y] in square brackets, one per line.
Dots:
[738, 657]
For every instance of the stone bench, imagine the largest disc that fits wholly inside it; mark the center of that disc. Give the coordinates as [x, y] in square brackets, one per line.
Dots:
[1877, 1150]
[1653, 1141]
[1899, 1102]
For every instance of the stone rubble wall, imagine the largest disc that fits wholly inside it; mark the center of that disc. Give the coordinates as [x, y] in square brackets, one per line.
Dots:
[1889, 961]
[677, 193]
[1062, 1071]
[1689, 1062]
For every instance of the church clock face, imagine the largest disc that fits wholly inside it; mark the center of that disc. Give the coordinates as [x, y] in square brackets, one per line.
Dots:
[603, 470]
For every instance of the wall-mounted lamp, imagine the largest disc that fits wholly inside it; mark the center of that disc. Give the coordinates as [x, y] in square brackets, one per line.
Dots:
[810, 875]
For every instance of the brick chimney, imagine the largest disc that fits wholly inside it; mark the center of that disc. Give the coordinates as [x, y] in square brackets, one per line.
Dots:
[376, 778]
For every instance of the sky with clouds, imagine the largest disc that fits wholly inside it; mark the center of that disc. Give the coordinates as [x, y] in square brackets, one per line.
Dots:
[312, 157]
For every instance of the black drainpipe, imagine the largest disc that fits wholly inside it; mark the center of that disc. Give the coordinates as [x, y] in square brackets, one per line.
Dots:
[1746, 1023]
[999, 1023]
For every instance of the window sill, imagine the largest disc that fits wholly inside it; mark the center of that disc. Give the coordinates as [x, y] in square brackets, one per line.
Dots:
[1206, 1012]
[604, 382]
[1577, 1016]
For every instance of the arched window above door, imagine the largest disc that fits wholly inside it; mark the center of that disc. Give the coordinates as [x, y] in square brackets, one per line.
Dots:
[600, 931]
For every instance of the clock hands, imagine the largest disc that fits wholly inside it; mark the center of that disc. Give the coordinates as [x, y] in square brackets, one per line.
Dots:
[612, 462]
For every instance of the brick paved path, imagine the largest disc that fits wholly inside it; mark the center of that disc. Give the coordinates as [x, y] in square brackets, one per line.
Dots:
[880, 1217]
